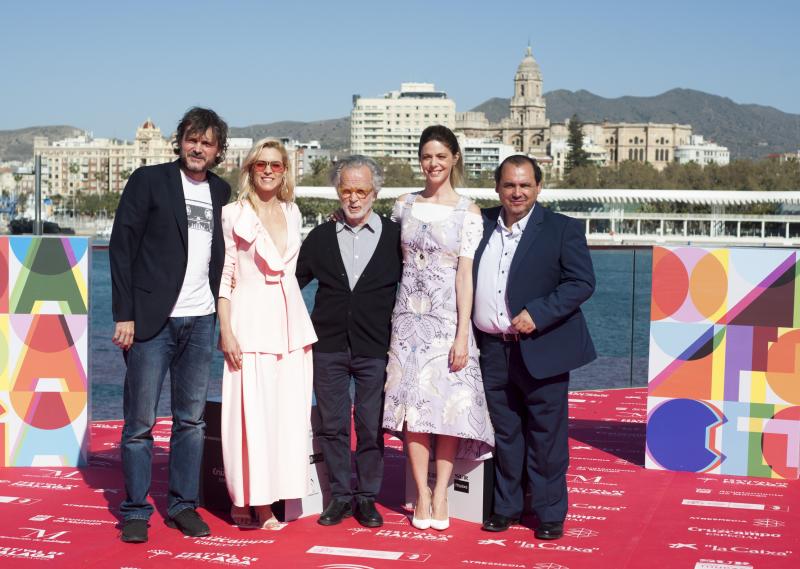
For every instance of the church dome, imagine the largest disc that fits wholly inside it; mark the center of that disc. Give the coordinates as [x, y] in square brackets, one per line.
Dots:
[528, 65]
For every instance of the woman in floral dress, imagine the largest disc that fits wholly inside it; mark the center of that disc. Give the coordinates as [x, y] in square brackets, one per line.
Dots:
[434, 390]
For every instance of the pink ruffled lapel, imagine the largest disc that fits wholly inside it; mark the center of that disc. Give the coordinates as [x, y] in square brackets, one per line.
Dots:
[292, 214]
[248, 228]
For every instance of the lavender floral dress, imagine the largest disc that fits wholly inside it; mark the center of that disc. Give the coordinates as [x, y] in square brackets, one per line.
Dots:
[420, 389]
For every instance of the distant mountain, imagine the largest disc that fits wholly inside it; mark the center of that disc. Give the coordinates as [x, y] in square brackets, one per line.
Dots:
[749, 131]
[333, 134]
[495, 109]
[18, 144]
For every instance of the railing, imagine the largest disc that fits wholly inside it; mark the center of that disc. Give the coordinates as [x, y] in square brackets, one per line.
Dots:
[618, 315]
[607, 227]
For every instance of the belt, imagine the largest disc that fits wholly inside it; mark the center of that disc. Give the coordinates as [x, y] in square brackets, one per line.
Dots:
[503, 337]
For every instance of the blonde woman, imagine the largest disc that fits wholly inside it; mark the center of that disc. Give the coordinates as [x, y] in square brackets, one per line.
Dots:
[266, 336]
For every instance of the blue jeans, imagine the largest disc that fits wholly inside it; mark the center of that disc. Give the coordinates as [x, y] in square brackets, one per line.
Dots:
[184, 347]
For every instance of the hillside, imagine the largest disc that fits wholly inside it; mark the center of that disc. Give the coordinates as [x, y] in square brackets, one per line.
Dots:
[18, 144]
[332, 133]
[749, 131]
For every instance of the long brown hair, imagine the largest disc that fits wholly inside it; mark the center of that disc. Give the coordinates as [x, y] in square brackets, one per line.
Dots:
[441, 133]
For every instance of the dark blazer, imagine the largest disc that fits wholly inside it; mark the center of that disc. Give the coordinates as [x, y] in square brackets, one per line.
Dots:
[359, 319]
[551, 275]
[149, 246]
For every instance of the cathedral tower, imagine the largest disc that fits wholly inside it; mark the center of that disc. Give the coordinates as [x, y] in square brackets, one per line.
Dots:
[527, 127]
[527, 105]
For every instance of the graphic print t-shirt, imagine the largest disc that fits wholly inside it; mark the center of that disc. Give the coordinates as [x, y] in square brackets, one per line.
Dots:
[195, 298]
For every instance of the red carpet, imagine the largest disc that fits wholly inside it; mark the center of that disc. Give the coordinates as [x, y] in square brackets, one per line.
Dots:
[621, 516]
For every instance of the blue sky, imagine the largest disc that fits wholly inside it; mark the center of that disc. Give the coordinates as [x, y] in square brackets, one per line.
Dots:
[106, 66]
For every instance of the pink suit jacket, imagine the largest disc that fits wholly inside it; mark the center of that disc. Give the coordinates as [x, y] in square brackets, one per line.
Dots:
[267, 310]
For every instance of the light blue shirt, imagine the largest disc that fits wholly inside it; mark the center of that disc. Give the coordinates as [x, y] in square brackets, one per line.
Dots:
[357, 244]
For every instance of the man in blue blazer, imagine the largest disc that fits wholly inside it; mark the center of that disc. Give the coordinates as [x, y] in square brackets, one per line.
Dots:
[532, 272]
[166, 255]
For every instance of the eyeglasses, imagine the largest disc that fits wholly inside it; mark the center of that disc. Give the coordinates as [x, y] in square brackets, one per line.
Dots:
[360, 194]
[276, 166]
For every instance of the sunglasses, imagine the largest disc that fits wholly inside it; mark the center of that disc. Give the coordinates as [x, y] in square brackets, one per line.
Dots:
[276, 166]
[360, 194]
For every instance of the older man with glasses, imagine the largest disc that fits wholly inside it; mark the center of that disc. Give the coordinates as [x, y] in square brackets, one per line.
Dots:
[357, 263]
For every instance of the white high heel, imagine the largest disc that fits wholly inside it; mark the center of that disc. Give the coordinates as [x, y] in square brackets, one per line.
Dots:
[440, 525]
[422, 523]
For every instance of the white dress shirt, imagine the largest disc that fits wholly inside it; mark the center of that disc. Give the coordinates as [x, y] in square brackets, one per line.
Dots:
[491, 313]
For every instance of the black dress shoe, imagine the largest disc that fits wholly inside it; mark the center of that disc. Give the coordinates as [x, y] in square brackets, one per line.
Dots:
[134, 531]
[498, 522]
[367, 515]
[190, 523]
[549, 530]
[335, 513]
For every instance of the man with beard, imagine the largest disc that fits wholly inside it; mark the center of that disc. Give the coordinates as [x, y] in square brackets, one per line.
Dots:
[166, 253]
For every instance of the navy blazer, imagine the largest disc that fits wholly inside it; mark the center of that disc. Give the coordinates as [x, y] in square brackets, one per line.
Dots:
[551, 275]
[149, 246]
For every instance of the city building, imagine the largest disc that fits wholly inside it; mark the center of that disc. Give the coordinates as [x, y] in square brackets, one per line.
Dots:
[696, 149]
[305, 154]
[786, 156]
[526, 128]
[301, 154]
[88, 164]
[611, 143]
[391, 125]
[237, 151]
[528, 131]
[654, 143]
[12, 177]
[558, 150]
[483, 156]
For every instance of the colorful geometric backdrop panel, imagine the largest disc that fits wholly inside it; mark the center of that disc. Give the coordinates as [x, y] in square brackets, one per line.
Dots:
[724, 373]
[44, 351]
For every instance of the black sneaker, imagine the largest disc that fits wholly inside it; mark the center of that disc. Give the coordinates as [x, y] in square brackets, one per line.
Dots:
[190, 523]
[134, 530]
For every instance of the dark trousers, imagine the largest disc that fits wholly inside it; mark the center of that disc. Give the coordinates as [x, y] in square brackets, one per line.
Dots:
[183, 347]
[530, 421]
[332, 372]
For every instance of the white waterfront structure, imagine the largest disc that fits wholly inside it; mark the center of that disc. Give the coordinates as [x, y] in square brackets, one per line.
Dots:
[611, 223]
[390, 125]
[702, 152]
